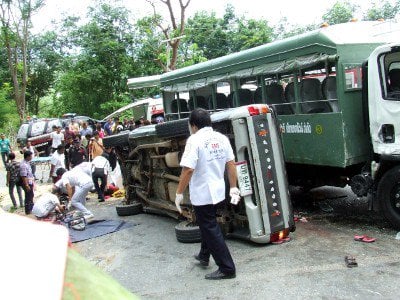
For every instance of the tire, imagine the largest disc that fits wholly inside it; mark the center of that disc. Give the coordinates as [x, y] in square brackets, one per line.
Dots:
[173, 129]
[120, 139]
[186, 232]
[129, 209]
[389, 196]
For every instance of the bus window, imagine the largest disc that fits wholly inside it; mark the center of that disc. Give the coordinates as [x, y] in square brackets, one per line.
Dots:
[223, 89]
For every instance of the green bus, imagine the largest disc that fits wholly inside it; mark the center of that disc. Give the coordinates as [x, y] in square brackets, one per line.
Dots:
[331, 91]
[335, 93]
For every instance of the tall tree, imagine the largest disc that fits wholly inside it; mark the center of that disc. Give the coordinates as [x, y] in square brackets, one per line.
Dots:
[44, 59]
[341, 12]
[95, 72]
[173, 32]
[385, 10]
[15, 18]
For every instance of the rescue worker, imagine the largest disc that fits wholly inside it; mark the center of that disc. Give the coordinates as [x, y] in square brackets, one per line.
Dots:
[207, 154]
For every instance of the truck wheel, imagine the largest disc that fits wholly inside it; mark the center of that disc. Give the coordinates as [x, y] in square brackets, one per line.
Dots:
[129, 209]
[187, 232]
[120, 139]
[173, 129]
[389, 196]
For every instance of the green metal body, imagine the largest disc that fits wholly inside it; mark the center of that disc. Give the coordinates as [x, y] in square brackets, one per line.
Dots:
[337, 139]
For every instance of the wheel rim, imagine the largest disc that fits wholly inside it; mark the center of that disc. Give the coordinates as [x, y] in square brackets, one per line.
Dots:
[395, 198]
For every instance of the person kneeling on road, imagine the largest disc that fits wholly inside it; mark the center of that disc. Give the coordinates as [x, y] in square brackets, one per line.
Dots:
[78, 184]
[46, 205]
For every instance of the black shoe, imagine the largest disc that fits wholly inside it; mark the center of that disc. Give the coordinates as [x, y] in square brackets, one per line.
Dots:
[217, 275]
[101, 200]
[202, 262]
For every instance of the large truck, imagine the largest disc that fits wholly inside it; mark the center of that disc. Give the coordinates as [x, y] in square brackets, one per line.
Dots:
[335, 94]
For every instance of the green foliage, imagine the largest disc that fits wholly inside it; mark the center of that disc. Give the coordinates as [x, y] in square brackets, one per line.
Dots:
[44, 61]
[97, 74]
[385, 10]
[9, 120]
[285, 29]
[216, 37]
[341, 12]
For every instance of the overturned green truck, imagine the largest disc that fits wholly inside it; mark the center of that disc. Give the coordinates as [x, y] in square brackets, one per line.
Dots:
[334, 93]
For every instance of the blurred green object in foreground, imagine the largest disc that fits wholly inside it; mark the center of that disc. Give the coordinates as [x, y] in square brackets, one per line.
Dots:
[85, 281]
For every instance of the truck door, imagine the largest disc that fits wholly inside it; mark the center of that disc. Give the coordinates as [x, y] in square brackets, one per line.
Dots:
[384, 99]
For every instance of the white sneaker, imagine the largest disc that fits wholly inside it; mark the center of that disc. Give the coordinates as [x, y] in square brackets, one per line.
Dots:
[88, 216]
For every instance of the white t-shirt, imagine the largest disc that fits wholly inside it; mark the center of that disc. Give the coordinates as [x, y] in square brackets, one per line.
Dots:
[86, 167]
[207, 152]
[44, 205]
[58, 160]
[76, 177]
[57, 139]
[59, 184]
[101, 162]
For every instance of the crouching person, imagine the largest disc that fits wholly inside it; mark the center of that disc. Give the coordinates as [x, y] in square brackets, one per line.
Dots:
[46, 207]
[78, 184]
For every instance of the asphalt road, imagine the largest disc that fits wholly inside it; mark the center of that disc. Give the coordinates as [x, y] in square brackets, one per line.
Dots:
[148, 260]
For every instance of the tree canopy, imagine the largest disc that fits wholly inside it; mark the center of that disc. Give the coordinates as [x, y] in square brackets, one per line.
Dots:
[83, 65]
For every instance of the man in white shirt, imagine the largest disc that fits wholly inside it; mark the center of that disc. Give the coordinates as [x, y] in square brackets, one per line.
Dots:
[78, 185]
[100, 170]
[45, 205]
[57, 138]
[207, 154]
[57, 161]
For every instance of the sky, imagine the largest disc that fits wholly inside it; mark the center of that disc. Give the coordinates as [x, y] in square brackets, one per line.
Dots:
[297, 12]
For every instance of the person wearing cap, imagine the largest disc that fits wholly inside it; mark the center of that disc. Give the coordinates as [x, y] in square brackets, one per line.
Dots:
[78, 184]
[57, 161]
[77, 154]
[28, 180]
[5, 148]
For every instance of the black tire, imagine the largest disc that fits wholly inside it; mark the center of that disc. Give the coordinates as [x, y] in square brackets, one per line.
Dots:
[173, 128]
[129, 209]
[120, 139]
[187, 232]
[389, 196]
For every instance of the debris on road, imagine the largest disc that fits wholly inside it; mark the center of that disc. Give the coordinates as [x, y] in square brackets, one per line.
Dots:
[350, 261]
[364, 238]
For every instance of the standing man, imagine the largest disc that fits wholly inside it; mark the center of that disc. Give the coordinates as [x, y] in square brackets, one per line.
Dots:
[25, 172]
[34, 154]
[12, 178]
[85, 130]
[57, 138]
[5, 149]
[57, 161]
[78, 184]
[95, 146]
[100, 170]
[108, 127]
[206, 155]
[76, 154]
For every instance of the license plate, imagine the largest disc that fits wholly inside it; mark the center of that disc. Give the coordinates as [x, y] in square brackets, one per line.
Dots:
[244, 178]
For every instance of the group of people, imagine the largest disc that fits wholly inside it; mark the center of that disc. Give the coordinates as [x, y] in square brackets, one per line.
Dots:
[202, 169]
[76, 168]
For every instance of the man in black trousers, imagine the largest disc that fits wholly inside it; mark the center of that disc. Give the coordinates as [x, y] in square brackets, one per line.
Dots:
[206, 155]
